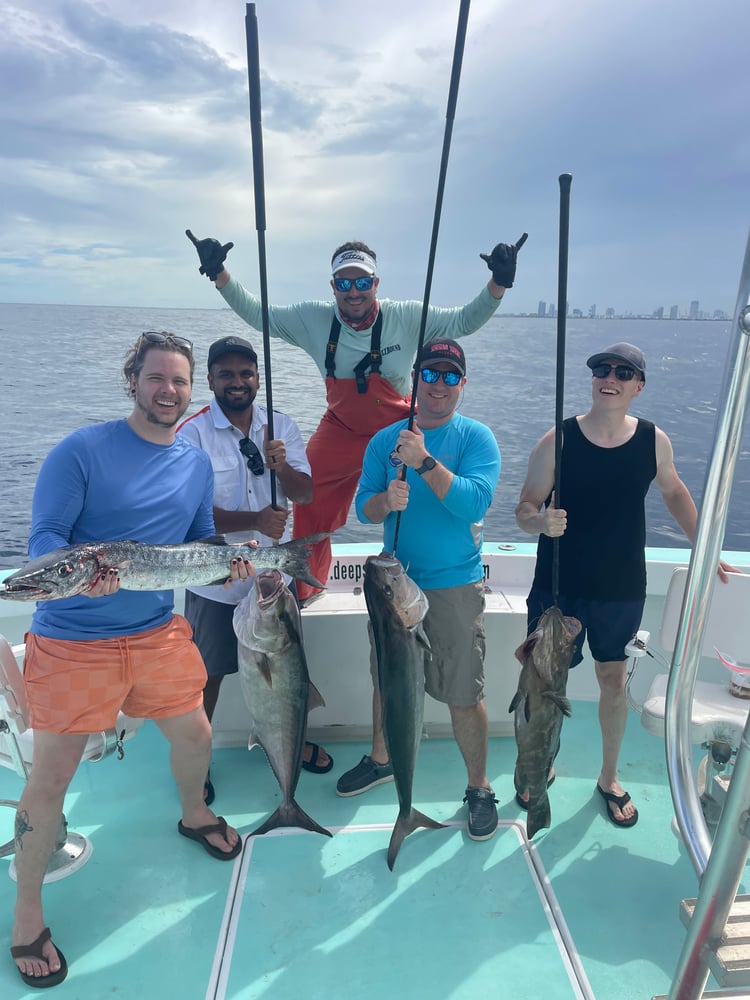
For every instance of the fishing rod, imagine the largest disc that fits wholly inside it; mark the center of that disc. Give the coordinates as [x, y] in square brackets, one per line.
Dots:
[256, 134]
[562, 312]
[458, 53]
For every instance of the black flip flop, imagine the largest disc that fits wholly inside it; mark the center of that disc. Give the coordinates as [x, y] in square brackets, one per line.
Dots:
[200, 835]
[312, 764]
[34, 950]
[619, 801]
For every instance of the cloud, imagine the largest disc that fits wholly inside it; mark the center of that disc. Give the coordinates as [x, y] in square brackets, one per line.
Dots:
[130, 123]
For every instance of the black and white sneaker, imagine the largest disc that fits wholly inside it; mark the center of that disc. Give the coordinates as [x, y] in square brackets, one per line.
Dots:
[366, 774]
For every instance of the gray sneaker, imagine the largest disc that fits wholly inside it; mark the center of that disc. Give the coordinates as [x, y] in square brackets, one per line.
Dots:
[366, 774]
[482, 813]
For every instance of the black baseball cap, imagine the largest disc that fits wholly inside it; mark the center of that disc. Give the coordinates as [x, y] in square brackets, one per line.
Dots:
[628, 353]
[231, 345]
[443, 349]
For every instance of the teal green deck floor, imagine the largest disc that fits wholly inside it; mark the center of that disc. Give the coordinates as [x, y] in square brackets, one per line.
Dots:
[299, 915]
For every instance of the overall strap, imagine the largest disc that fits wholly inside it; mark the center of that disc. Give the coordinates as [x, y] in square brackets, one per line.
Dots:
[373, 357]
[333, 343]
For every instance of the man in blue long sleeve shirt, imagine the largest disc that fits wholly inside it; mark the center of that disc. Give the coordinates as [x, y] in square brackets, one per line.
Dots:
[453, 467]
[88, 657]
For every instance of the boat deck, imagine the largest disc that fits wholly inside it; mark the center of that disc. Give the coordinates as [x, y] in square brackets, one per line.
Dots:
[586, 910]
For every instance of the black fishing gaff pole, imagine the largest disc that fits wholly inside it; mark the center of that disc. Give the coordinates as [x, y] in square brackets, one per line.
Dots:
[256, 134]
[562, 312]
[458, 54]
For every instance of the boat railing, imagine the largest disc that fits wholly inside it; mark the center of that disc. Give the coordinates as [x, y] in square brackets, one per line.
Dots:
[718, 865]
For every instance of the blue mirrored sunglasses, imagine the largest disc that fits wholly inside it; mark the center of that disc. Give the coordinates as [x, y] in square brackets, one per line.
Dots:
[431, 375]
[363, 284]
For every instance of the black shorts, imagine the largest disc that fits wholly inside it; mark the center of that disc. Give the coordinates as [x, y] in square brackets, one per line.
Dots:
[608, 625]
[213, 633]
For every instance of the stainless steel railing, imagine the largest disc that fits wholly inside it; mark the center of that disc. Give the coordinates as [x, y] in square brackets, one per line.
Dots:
[719, 866]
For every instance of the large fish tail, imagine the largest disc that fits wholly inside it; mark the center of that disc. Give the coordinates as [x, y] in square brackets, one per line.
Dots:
[538, 817]
[290, 814]
[406, 824]
[295, 558]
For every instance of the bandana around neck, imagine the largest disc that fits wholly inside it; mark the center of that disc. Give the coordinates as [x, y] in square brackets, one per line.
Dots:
[366, 323]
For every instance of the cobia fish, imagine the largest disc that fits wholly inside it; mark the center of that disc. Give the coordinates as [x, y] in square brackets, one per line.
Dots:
[539, 705]
[276, 688]
[72, 570]
[397, 607]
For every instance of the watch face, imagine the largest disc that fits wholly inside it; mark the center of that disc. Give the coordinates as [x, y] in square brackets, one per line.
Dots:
[429, 463]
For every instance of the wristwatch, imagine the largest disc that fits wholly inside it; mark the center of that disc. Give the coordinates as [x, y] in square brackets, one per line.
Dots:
[429, 463]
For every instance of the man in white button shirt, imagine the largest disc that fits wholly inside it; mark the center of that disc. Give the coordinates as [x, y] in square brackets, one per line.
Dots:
[233, 430]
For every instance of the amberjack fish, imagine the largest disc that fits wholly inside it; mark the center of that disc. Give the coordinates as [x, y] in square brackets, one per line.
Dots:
[397, 607]
[276, 688]
[72, 570]
[539, 705]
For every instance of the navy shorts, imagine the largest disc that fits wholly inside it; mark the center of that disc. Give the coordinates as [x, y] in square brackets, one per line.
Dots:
[213, 633]
[608, 625]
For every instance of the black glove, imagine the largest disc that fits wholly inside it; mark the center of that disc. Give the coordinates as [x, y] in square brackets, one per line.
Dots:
[212, 255]
[502, 261]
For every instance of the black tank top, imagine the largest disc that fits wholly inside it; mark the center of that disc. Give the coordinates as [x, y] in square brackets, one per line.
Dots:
[602, 553]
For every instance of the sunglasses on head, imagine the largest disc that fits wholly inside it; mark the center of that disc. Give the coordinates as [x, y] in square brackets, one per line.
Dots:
[363, 284]
[152, 337]
[432, 375]
[624, 373]
[254, 458]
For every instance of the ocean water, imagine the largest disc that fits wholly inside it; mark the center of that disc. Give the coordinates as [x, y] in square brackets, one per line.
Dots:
[62, 369]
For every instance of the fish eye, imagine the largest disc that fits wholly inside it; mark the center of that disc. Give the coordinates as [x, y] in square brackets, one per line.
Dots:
[65, 570]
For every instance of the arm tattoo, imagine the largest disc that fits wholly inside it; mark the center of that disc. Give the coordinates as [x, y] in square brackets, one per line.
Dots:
[22, 826]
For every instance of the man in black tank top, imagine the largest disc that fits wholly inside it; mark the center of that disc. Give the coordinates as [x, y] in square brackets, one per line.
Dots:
[609, 460]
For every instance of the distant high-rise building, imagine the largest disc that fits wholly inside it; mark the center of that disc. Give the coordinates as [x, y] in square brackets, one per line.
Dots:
[541, 308]
[551, 311]
[674, 312]
[694, 308]
[592, 312]
[610, 313]
[659, 313]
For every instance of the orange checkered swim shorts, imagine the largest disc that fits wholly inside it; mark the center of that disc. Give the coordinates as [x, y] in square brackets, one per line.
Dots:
[79, 687]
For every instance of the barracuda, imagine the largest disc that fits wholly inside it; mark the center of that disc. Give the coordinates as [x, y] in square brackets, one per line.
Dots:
[72, 570]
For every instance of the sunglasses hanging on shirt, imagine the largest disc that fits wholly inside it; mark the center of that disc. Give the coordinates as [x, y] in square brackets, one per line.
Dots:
[254, 458]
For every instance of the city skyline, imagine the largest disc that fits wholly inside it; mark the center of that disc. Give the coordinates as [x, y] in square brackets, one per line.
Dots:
[548, 310]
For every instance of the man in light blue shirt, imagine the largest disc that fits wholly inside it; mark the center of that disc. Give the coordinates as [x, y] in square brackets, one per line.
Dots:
[453, 465]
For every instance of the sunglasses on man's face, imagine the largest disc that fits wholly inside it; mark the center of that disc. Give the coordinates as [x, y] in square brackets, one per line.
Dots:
[623, 373]
[363, 284]
[152, 337]
[432, 375]
[254, 458]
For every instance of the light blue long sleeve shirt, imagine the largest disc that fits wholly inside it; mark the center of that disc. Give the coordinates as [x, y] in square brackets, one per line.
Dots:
[439, 541]
[103, 483]
[307, 325]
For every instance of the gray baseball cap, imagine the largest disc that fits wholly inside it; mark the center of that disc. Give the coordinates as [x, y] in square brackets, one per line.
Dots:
[628, 353]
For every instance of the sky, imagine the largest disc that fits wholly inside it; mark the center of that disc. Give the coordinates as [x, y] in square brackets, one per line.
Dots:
[123, 124]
